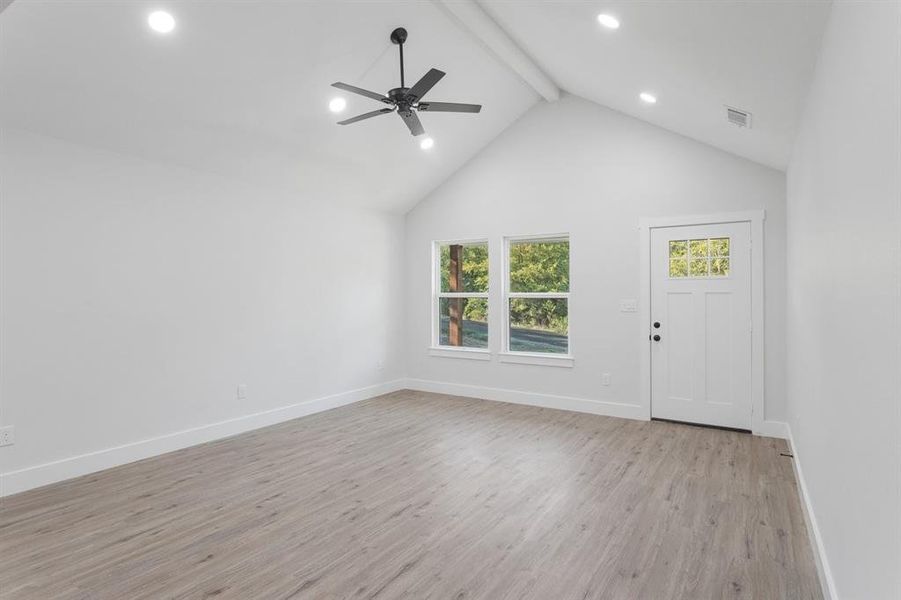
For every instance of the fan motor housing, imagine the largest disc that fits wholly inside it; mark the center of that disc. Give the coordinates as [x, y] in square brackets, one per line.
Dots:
[397, 94]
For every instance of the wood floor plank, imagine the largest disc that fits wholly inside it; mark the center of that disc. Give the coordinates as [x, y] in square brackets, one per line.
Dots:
[416, 495]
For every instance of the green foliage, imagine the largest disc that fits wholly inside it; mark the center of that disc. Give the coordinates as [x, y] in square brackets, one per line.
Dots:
[475, 268]
[539, 266]
[719, 247]
[475, 279]
[690, 257]
[678, 267]
[476, 309]
[698, 247]
[719, 266]
[551, 314]
[678, 249]
[698, 267]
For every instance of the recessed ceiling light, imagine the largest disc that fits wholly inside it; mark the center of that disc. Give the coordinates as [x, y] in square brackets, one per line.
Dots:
[608, 21]
[337, 104]
[427, 143]
[161, 21]
[648, 98]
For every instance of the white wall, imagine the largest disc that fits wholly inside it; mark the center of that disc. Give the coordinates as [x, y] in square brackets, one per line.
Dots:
[578, 167]
[137, 296]
[844, 306]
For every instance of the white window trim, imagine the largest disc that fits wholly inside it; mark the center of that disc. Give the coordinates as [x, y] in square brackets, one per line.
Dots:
[460, 352]
[532, 358]
[436, 349]
[536, 358]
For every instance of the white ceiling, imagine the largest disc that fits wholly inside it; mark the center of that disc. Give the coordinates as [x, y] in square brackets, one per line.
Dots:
[696, 56]
[242, 88]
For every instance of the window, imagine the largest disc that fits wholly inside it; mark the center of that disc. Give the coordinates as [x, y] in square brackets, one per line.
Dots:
[699, 258]
[461, 295]
[537, 296]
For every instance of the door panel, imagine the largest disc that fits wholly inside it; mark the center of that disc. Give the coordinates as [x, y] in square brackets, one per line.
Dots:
[701, 296]
[680, 316]
[717, 370]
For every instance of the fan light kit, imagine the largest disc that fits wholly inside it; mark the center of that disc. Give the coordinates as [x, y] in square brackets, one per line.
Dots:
[337, 105]
[161, 21]
[608, 21]
[407, 101]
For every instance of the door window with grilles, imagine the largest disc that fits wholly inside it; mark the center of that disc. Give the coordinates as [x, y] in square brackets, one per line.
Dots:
[699, 258]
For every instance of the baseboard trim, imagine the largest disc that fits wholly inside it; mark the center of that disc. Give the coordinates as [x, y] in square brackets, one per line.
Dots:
[775, 429]
[596, 407]
[827, 583]
[22, 480]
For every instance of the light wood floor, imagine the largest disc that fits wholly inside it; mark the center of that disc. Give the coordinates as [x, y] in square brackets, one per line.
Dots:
[415, 495]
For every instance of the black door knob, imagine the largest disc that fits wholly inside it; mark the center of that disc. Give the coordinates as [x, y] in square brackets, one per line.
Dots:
[656, 324]
[656, 338]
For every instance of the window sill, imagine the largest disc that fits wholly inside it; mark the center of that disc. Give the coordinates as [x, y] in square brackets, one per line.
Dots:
[468, 353]
[544, 360]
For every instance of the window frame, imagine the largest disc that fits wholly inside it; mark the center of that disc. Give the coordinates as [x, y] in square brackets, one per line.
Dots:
[436, 348]
[534, 358]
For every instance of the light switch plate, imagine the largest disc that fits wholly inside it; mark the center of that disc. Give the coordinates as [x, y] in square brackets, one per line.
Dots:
[7, 436]
[628, 306]
[605, 378]
[242, 391]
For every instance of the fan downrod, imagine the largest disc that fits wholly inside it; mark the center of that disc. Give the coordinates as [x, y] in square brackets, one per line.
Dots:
[398, 37]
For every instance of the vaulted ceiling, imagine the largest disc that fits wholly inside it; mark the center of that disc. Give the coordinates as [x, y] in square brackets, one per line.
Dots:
[242, 88]
[696, 57]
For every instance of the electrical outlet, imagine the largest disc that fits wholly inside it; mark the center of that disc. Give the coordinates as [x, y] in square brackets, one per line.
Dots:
[242, 391]
[605, 378]
[7, 436]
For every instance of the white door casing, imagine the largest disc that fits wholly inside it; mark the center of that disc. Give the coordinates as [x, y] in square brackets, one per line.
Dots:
[701, 366]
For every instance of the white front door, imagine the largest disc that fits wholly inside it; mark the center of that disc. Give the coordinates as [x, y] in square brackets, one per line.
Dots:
[701, 324]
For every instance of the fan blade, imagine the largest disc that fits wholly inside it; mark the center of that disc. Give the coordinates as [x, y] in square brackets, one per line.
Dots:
[362, 92]
[412, 122]
[369, 115]
[422, 86]
[449, 107]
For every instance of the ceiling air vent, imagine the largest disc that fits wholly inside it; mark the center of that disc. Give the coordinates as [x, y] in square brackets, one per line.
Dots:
[739, 118]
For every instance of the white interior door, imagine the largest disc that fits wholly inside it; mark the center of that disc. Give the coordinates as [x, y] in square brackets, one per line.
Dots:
[701, 324]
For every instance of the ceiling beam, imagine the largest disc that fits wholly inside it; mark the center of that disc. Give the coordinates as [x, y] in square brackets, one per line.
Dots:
[480, 25]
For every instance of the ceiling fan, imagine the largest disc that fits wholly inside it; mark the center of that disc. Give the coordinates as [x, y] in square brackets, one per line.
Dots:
[407, 101]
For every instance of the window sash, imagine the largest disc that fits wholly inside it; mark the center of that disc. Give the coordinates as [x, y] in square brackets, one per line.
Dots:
[563, 295]
[438, 295]
[527, 239]
[462, 295]
[508, 295]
